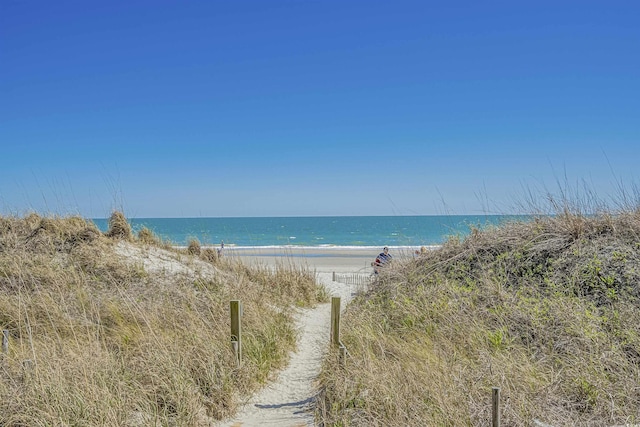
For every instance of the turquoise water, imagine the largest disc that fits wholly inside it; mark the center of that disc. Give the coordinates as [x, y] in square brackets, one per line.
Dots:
[314, 231]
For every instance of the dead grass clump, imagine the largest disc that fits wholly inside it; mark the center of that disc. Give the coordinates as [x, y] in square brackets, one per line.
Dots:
[147, 236]
[209, 255]
[32, 220]
[44, 235]
[119, 227]
[194, 248]
[547, 310]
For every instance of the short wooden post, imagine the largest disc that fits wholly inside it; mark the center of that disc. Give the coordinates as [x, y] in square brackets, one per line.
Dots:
[495, 407]
[5, 341]
[27, 369]
[235, 307]
[335, 321]
[234, 345]
[343, 355]
[334, 276]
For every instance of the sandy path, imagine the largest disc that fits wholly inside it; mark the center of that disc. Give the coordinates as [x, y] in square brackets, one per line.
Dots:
[288, 401]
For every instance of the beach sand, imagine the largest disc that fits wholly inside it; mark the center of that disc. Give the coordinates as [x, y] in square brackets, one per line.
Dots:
[320, 259]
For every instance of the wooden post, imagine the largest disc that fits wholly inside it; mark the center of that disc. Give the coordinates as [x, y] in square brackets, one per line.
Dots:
[234, 344]
[27, 370]
[343, 355]
[335, 321]
[235, 307]
[495, 407]
[334, 276]
[5, 341]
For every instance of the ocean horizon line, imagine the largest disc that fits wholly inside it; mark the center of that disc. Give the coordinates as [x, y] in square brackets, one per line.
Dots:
[138, 218]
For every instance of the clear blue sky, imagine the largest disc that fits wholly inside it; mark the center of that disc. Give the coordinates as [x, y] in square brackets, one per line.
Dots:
[287, 108]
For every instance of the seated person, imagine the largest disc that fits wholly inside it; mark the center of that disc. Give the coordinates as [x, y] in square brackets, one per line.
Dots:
[381, 260]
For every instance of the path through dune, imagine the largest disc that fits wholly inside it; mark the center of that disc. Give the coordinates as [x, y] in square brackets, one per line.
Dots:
[288, 401]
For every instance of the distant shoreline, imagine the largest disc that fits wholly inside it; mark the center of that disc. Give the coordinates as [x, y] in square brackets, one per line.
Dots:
[344, 259]
[319, 248]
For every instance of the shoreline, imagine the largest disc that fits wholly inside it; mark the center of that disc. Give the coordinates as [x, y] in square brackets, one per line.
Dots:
[341, 259]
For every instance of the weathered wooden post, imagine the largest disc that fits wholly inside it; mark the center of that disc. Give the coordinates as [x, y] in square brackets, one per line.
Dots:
[5, 341]
[495, 407]
[343, 355]
[234, 346]
[334, 276]
[235, 307]
[335, 321]
[27, 370]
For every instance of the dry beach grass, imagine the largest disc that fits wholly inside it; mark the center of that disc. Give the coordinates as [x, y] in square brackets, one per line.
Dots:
[117, 330]
[547, 310]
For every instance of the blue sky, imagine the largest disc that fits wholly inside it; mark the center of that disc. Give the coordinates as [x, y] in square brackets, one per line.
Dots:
[288, 108]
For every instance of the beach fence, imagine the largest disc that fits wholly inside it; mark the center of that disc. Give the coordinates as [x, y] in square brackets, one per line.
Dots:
[360, 280]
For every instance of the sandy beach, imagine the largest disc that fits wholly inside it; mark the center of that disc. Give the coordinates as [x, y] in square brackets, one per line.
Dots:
[320, 259]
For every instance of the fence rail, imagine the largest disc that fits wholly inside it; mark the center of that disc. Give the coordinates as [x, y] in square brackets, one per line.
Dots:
[361, 280]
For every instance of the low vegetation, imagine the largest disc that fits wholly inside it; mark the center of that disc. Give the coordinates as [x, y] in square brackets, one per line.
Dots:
[118, 330]
[546, 310]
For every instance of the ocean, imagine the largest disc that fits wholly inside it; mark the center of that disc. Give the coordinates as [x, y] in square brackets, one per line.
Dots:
[344, 231]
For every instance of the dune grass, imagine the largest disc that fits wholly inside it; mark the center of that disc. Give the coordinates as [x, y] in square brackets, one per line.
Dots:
[547, 310]
[97, 338]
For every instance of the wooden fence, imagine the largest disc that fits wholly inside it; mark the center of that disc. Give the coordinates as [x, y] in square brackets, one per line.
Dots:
[360, 280]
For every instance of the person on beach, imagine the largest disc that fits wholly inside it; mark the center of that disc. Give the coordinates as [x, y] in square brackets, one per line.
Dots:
[382, 259]
[422, 251]
[221, 250]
